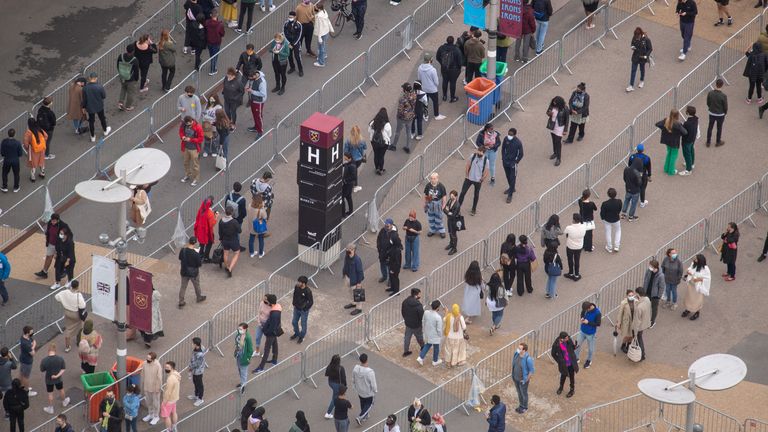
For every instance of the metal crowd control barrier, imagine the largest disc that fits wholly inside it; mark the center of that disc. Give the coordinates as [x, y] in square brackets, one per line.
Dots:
[18, 216]
[738, 209]
[350, 230]
[345, 340]
[697, 81]
[449, 276]
[60, 101]
[386, 315]
[523, 222]
[250, 163]
[285, 131]
[402, 421]
[98, 396]
[614, 292]
[755, 425]
[104, 66]
[567, 321]
[579, 38]
[163, 19]
[165, 109]
[609, 157]
[563, 194]
[282, 281]
[345, 82]
[128, 136]
[710, 418]
[263, 32]
[276, 381]
[38, 315]
[226, 57]
[619, 12]
[78, 420]
[245, 308]
[628, 413]
[386, 49]
[19, 124]
[443, 146]
[689, 243]
[764, 192]
[179, 352]
[396, 188]
[494, 368]
[572, 424]
[214, 416]
[733, 49]
[536, 72]
[429, 15]
[645, 123]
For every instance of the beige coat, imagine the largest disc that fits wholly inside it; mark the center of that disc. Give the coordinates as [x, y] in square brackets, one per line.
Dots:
[172, 384]
[642, 318]
[139, 208]
[75, 104]
[625, 319]
[152, 376]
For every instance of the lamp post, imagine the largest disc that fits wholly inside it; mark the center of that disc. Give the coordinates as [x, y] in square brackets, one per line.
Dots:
[137, 167]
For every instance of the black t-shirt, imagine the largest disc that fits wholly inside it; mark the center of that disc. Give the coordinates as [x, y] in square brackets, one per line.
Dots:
[436, 192]
[52, 365]
[413, 224]
[340, 409]
[26, 350]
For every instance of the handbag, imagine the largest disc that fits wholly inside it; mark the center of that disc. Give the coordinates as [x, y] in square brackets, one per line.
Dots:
[260, 226]
[217, 257]
[279, 331]
[589, 225]
[466, 335]
[534, 265]
[358, 295]
[553, 269]
[221, 161]
[460, 224]
[82, 312]
[634, 352]
[550, 123]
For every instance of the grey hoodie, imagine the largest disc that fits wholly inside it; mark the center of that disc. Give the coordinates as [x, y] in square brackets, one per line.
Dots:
[190, 106]
[364, 381]
[6, 366]
[428, 76]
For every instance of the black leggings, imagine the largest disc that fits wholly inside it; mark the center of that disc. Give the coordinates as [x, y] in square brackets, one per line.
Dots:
[280, 73]
[61, 270]
[166, 76]
[574, 257]
[571, 377]
[16, 417]
[524, 275]
[755, 83]
[508, 275]
[557, 145]
[378, 157]
[143, 71]
[306, 34]
[197, 381]
[206, 250]
[588, 240]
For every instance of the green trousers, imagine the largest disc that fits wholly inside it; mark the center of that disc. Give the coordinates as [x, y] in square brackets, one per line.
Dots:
[670, 161]
[689, 155]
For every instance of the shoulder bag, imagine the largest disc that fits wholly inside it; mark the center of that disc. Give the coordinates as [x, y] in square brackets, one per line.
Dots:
[221, 161]
[634, 353]
[82, 312]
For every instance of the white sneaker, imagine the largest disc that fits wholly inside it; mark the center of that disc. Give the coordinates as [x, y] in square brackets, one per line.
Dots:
[273, 7]
[263, 9]
[357, 189]
[609, 249]
[55, 286]
[198, 402]
[681, 57]
[192, 397]
[147, 418]
[253, 254]
[328, 416]
[205, 154]
[109, 129]
[684, 173]
[420, 361]
[31, 393]
[630, 89]
[184, 179]
[65, 402]
[419, 137]
[440, 117]
[413, 135]
[261, 255]
[644, 203]
[437, 363]
[616, 249]
[93, 139]
[194, 183]
[641, 84]
[154, 420]
[48, 409]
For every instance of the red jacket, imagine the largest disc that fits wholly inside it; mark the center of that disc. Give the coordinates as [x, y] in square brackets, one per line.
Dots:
[529, 22]
[197, 139]
[214, 31]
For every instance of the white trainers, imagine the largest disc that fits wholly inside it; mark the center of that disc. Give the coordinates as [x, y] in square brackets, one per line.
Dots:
[198, 402]
[93, 138]
[31, 393]
[205, 154]
[681, 57]
[263, 9]
[440, 117]
[154, 420]
[684, 173]
[641, 84]
[420, 361]
[357, 189]
[437, 363]
[147, 418]
[109, 129]
[609, 249]
[65, 402]
[191, 397]
[55, 286]
[273, 7]
[630, 89]
[253, 254]
[643, 204]
[328, 416]
[48, 409]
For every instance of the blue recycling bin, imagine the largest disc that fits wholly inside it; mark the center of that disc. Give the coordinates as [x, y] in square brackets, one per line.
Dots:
[480, 108]
[501, 73]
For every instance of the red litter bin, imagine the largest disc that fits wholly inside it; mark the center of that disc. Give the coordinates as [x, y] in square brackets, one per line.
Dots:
[133, 367]
[480, 108]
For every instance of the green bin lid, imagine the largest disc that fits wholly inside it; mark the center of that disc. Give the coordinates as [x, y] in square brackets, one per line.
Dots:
[501, 68]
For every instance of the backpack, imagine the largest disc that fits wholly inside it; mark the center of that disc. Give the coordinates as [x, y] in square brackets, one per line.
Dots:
[125, 68]
[233, 204]
[5, 267]
[377, 140]
[446, 60]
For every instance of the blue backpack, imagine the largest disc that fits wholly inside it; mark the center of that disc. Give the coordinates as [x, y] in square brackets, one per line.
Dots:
[5, 267]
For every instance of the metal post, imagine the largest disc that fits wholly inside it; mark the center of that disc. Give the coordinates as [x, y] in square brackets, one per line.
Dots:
[122, 343]
[493, 25]
[690, 408]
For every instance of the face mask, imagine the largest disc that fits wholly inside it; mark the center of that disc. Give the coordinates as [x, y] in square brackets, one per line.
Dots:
[518, 351]
[651, 269]
[291, 19]
[110, 399]
[631, 298]
[673, 256]
[149, 360]
[189, 95]
[509, 137]
[61, 236]
[241, 331]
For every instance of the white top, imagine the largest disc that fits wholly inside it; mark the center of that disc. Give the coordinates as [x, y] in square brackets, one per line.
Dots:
[322, 23]
[386, 132]
[462, 326]
[558, 130]
[703, 286]
[71, 300]
[574, 236]
[209, 114]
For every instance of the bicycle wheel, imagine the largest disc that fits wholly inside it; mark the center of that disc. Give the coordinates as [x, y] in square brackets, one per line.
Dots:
[338, 24]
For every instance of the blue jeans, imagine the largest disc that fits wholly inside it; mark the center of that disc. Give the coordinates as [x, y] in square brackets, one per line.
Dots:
[335, 389]
[251, 238]
[76, 124]
[552, 286]
[541, 33]
[522, 393]
[257, 334]
[261, 3]
[212, 51]
[630, 202]
[384, 269]
[224, 143]
[590, 341]
[633, 72]
[411, 253]
[341, 425]
[435, 351]
[491, 154]
[242, 371]
[130, 425]
[686, 31]
[322, 50]
[300, 315]
[496, 317]
[671, 293]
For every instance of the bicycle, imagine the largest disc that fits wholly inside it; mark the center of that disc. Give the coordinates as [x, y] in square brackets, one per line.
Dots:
[342, 16]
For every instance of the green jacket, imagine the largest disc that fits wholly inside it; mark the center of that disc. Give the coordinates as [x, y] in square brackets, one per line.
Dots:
[245, 352]
[284, 53]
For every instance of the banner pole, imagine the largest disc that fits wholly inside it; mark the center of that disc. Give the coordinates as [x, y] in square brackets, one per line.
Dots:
[122, 291]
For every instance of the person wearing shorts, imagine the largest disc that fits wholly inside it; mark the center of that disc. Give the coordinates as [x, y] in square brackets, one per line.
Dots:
[170, 396]
[54, 368]
[722, 11]
[229, 235]
[27, 347]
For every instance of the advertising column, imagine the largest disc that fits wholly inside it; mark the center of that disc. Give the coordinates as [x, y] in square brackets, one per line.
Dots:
[319, 177]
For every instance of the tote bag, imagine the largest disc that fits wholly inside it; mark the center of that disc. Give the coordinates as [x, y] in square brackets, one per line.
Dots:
[635, 353]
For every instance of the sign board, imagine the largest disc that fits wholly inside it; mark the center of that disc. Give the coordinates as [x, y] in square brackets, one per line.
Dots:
[140, 301]
[103, 291]
[511, 18]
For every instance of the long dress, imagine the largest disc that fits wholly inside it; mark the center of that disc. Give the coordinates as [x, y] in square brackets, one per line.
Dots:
[471, 304]
[694, 293]
[455, 344]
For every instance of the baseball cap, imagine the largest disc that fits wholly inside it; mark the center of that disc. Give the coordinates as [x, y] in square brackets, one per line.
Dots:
[640, 147]
[389, 221]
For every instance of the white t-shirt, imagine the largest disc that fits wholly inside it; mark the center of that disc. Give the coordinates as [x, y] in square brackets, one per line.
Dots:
[574, 236]
[558, 130]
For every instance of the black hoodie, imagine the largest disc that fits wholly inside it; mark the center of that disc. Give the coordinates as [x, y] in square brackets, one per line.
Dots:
[633, 177]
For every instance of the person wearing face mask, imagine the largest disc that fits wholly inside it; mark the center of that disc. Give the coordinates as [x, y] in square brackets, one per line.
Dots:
[281, 51]
[491, 140]
[354, 271]
[698, 278]
[131, 402]
[590, 320]
[522, 372]
[151, 381]
[209, 131]
[673, 273]
[243, 353]
[653, 283]
[272, 330]
[564, 355]
[579, 105]
[435, 197]
[62, 425]
[55, 224]
[292, 30]
[191, 261]
[65, 258]
[641, 320]
[625, 319]
[170, 396]
[511, 155]
[188, 104]
[233, 91]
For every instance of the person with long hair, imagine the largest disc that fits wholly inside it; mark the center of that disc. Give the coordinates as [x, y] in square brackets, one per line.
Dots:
[698, 278]
[88, 344]
[490, 139]
[337, 377]
[144, 52]
[672, 131]
[454, 327]
[473, 291]
[280, 50]
[553, 267]
[563, 354]
[557, 123]
[579, 106]
[380, 131]
[229, 15]
[248, 409]
[166, 55]
[209, 130]
[256, 212]
[587, 211]
[574, 243]
[729, 249]
[524, 257]
[356, 146]
[323, 29]
[496, 301]
[641, 48]
[223, 128]
[507, 261]
[34, 143]
[301, 424]
[692, 126]
[204, 222]
[551, 231]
